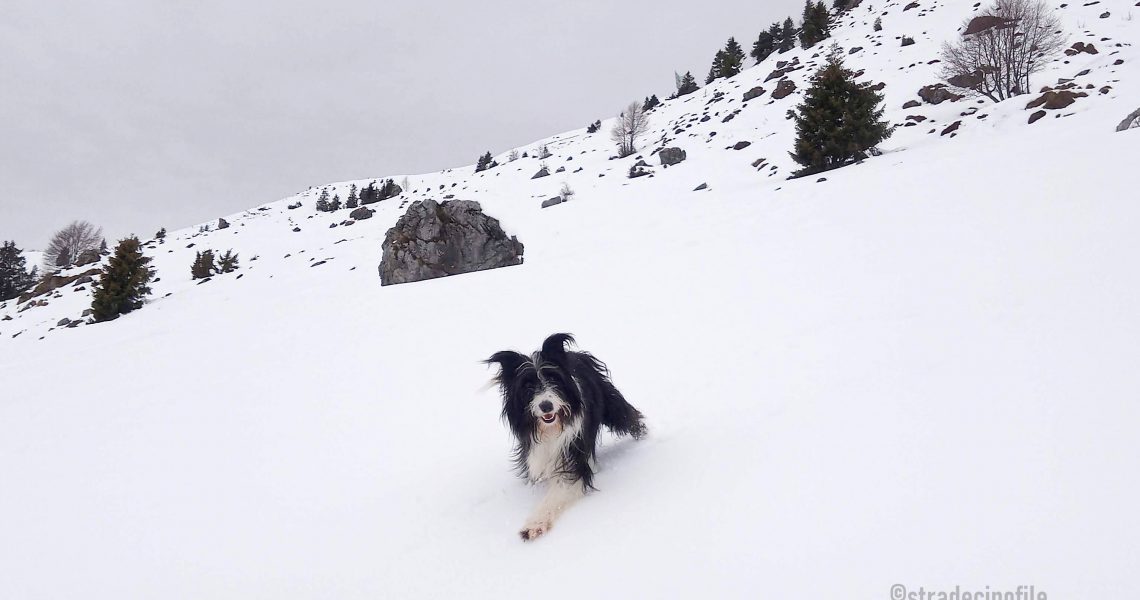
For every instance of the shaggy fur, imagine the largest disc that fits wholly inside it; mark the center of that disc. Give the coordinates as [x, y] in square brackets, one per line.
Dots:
[555, 402]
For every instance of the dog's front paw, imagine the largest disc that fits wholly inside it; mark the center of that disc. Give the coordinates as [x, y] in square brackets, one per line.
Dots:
[533, 529]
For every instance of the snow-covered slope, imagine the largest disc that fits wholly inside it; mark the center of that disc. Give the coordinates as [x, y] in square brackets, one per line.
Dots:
[919, 370]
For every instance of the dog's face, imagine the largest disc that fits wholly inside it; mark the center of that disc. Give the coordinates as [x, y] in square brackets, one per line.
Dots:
[540, 396]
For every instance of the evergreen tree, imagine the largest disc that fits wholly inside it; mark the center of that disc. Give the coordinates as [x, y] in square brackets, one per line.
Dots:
[203, 265]
[334, 205]
[485, 162]
[686, 84]
[123, 283]
[787, 36]
[161, 235]
[764, 46]
[733, 61]
[817, 24]
[323, 201]
[14, 279]
[838, 121]
[228, 262]
[715, 68]
[650, 102]
[369, 194]
[352, 201]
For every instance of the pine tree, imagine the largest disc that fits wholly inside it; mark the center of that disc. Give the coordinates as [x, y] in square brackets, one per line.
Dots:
[334, 205]
[787, 36]
[323, 201]
[838, 121]
[352, 201]
[203, 265]
[14, 279]
[686, 84]
[733, 61]
[650, 102]
[817, 24]
[123, 283]
[228, 262]
[485, 162]
[764, 46]
[715, 68]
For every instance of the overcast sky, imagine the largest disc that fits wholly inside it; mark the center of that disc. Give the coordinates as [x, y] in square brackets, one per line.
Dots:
[139, 114]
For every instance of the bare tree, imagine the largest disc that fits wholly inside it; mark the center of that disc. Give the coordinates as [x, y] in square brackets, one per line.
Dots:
[1002, 48]
[70, 242]
[631, 125]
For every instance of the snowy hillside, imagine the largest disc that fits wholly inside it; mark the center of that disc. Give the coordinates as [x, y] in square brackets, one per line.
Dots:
[917, 370]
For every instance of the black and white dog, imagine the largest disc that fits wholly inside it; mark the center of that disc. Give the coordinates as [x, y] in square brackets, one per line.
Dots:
[555, 402]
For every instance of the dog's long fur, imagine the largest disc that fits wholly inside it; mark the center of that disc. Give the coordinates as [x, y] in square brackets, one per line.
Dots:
[575, 390]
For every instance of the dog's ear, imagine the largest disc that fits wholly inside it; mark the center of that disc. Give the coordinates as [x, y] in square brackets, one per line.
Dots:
[555, 346]
[509, 362]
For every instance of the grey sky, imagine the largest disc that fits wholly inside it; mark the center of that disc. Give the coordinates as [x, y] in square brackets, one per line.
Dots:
[137, 114]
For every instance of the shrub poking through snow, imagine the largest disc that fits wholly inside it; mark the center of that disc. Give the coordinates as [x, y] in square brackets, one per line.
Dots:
[123, 285]
[631, 124]
[227, 262]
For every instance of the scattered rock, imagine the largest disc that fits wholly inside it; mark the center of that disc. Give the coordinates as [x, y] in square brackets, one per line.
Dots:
[51, 283]
[1105, 14]
[783, 88]
[222, 223]
[755, 92]
[436, 240]
[87, 257]
[854, 50]
[907, 41]
[294, 206]
[64, 322]
[910, 6]
[543, 172]
[1055, 99]
[741, 145]
[671, 156]
[1035, 116]
[951, 128]
[911, 104]
[703, 186]
[551, 202]
[966, 80]
[1079, 47]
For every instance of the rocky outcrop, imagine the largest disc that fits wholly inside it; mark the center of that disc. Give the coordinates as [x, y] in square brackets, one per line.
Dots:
[985, 23]
[436, 240]
[1055, 99]
[543, 172]
[552, 202]
[1130, 122]
[671, 156]
[1079, 47]
[937, 94]
[361, 213]
[51, 283]
[222, 223]
[755, 92]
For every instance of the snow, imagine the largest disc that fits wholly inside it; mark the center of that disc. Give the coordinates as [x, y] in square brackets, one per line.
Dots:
[919, 371]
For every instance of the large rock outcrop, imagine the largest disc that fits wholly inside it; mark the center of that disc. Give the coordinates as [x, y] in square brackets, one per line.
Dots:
[436, 240]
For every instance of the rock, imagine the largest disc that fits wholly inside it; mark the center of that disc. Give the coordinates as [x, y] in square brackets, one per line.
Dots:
[294, 206]
[1105, 14]
[741, 145]
[51, 283]
[1130, 122]
[783, 88]
[937, 93]
[1118, 62]
[1079, 47]
[6, 318]
[671, 156]
[755, 92]
[543, 172]
[910, 6]
[703, 186]
[361, 213]
[1035, 116]
[854, 50]
[966, 80]
[63, 322]
[878, 87]
[222, 223]
[911, 104]
[951, 128]
[551, 202]
[87, 312]
[436, 240]
[984, 23]
[87, 257]
[1055, 99]
[907, 41]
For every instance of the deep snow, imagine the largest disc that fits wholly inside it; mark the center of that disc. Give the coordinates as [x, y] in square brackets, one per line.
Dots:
[919, 371]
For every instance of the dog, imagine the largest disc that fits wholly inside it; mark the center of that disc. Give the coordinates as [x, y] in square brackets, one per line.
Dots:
[555, 402]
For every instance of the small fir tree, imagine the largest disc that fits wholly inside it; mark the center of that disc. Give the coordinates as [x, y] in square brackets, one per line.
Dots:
[764, 46]
[203, 265]
[334, 205]
[323, 201]
[732, 62]
[123, 285]
[787, 36]
[352, 201]
[14, 278]
[227, 262]
[838, 121]
[686, 84]
[650, 103]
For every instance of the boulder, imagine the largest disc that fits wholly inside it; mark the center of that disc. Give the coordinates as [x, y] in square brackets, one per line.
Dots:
[222, 223]
[1079, 47]
[436, 240]
[551, 202]
[741, 145]
[361, 213]
[703, 186]
[51, 283]
[911, 104]
[1055, 99]
[937, 93]
[907, 41]
[985, 23]
[1033, 118]
[951, 128]
[966, 80]
[910, 6]
[87, 257]
[543, 172]
[671, 156]
[783, 88]
[755, 92]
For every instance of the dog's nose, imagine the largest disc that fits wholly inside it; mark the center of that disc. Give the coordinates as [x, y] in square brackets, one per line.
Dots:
[546, 406]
